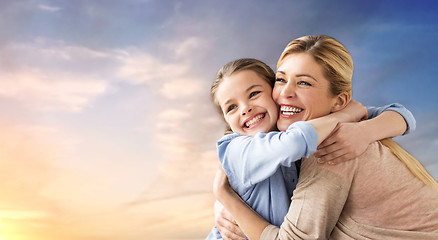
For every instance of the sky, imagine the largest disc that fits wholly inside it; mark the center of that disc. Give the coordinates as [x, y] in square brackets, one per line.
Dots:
[107, 128]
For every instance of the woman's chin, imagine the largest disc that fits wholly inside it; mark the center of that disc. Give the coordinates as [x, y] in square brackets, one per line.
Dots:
[283, 124]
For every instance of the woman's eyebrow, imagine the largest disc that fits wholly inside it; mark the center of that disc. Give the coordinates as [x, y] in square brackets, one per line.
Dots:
[306, 75]
[299, 75]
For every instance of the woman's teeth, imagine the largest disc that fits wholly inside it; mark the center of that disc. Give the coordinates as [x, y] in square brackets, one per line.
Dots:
[290, 110]
[254, 120]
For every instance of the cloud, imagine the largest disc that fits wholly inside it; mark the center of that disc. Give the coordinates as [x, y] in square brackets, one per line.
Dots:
[55, 76]
[47, 91]
[181, 88]
[23, 215]
[139, 67]
[48, 8]
[52, 76]
[173, 79]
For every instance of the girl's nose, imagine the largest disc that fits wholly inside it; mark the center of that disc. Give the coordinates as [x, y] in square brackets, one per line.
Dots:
[246, 110]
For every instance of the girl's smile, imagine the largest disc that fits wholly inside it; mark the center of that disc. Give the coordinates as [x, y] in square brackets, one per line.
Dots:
[254, 121]
[245, 99]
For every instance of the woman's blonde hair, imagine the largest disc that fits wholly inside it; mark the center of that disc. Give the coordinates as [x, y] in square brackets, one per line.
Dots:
[338, 69]
[251, 64]
[330, 54]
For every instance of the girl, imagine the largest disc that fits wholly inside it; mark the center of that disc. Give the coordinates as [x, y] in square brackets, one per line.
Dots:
[242, 91]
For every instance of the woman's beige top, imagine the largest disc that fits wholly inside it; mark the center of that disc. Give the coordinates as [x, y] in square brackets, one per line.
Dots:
[371, 197]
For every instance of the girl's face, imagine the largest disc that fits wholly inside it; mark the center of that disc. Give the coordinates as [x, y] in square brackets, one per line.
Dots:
[246, 102]
[301, 90]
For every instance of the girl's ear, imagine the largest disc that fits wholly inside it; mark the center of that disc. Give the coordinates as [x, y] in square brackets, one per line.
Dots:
[341, 101]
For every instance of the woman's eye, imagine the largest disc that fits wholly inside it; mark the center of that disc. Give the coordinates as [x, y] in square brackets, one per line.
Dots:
[280, 80]
[304, 83]
[254, 94]
[231, 107]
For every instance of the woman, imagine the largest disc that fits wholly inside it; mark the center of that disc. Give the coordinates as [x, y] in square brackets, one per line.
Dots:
[384, 193]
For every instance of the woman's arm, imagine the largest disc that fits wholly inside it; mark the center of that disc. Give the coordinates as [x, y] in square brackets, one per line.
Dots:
[317, 203]
[226, 224]
[350, 140]
[249, 221]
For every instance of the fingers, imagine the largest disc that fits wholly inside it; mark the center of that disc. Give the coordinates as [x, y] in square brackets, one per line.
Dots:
[229, 230]
[327, 150]
[327, 142]
[330, 157]
[339, 159]
[226, 224]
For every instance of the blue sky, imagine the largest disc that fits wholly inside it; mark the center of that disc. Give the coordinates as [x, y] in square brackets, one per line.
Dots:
[107, 128]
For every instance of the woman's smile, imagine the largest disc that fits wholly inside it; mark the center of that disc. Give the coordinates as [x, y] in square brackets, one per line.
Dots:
[289, 111]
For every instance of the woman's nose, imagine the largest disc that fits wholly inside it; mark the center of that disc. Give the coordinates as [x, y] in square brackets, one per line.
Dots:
[288, 91]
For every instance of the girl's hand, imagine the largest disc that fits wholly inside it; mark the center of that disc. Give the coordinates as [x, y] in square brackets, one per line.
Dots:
[346, 142]
[355, 111]
[226, 224]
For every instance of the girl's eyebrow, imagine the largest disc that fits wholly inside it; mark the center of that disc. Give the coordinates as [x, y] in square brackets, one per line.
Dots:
[247, 90]
[253, 86]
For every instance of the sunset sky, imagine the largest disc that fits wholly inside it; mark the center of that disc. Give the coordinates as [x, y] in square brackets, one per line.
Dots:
[107, 131]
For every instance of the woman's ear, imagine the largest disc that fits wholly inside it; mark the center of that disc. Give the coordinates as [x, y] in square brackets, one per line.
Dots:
[341, 101]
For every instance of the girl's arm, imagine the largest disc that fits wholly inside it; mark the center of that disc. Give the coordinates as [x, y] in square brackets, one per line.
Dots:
[252, 159]
[350, 140]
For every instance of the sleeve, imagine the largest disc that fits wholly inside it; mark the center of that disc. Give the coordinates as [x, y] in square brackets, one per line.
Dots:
[396, 107]
[252, 159]
[317, 203]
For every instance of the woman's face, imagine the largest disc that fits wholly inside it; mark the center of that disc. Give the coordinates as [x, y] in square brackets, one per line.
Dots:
[301, 90]
[246, 102]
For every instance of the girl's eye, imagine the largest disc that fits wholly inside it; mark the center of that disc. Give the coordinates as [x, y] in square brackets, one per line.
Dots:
[231, 107]
[280, 80]
[304, 83]
[254, 94]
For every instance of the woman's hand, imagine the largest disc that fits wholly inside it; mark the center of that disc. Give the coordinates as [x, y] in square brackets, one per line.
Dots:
[226, 224]
[347, 141]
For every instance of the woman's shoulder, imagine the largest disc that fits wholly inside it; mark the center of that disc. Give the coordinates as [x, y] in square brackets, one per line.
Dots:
[347, 169]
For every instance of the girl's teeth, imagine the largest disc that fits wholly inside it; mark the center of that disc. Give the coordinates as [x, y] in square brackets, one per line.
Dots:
[254, 120]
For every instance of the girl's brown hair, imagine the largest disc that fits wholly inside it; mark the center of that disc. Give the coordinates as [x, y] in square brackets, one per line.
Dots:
[251, 64]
